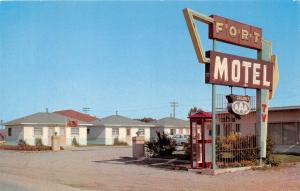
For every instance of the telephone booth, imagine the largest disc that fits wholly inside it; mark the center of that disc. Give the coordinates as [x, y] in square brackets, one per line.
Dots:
[200, 139]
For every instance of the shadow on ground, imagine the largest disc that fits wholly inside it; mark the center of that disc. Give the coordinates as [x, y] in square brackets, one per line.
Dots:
[168, 164]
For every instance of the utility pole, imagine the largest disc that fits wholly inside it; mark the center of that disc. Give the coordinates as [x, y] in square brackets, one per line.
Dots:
[174, 105]
[1, 124]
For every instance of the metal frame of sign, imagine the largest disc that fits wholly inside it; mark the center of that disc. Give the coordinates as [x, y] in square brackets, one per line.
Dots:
[264, 52]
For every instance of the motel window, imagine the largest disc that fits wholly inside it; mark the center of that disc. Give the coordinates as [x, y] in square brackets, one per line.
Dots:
[115, 132]
[275, 133]
[289, 133]
[128, 132]
[74, 131]
[88, 131]
[38, 131]
[9, 131]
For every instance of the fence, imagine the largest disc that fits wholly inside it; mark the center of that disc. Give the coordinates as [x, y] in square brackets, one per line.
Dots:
[236, 143]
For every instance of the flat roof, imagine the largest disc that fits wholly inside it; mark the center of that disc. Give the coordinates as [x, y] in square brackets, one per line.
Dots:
[284, 108]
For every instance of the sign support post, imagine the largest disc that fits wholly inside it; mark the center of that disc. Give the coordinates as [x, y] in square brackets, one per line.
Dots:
[214, 119]
[262, 99]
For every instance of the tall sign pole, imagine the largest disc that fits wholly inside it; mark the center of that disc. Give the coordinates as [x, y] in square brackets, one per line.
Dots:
[214, 100]
[262, 100]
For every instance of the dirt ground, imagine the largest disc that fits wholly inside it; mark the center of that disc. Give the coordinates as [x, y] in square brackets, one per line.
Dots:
[105, 168]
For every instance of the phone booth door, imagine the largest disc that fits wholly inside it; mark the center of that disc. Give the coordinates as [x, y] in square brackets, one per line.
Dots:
[200, 140]
[195, 146]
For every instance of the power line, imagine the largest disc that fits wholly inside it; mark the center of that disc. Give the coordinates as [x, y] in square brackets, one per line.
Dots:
[174, 105]
[86, 109]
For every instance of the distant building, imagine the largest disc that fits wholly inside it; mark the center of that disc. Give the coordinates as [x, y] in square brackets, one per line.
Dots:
[44, 125]
[170, 126]
[116, 128]
[283, 127]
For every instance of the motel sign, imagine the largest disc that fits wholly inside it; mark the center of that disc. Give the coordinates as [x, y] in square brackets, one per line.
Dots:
[236, 33]
[236, 71]
[231, 70]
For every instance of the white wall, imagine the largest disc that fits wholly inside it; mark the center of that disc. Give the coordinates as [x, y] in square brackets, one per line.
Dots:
[28, 135]
[122, 134]
[45, 137]
[108, 136]
[147, 133]
[68, 136]
[82, 136]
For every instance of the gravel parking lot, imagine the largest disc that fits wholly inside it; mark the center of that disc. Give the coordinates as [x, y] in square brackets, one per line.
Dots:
[103, 168]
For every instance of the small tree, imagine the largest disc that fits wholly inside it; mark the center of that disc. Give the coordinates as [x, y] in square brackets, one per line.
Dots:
[119, 143]
[270, 149]
[187, 149]
[162, 146]
[74, 142]
[22, 143]
[38, 142]
[194, 110]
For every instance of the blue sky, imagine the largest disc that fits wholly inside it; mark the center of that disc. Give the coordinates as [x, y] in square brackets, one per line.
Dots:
[134, 57]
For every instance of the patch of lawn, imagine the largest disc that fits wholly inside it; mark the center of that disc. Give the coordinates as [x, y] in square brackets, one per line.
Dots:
[284, 158]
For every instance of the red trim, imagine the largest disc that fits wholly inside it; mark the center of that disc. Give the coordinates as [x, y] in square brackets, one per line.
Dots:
[72, 123]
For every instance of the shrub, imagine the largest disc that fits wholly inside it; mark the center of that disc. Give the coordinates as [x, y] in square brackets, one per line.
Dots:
[162, 146]
[38, 142]
[75, 143]
[269, 158]
[119, 143]
[22, 143]
[187, 150]
[237, 149]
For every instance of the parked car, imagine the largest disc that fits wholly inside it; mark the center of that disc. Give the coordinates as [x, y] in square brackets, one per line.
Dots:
[180, 139]
[140, 132]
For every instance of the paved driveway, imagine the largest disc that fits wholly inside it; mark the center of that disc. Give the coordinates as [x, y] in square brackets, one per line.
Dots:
[103, 168]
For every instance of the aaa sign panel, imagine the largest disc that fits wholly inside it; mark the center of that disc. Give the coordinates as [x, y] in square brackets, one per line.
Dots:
[231, 70]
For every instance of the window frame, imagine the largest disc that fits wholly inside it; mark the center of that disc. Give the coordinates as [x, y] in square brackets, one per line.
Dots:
[38, 129]
[113, 132]
[72, 131]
